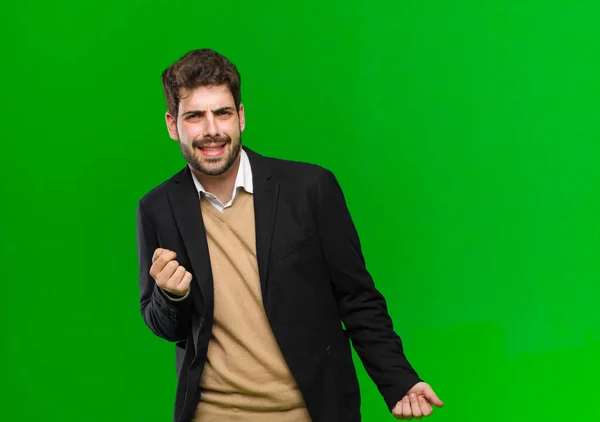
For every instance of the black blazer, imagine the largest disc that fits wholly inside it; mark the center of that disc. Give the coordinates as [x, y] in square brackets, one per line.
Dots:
[313, 279]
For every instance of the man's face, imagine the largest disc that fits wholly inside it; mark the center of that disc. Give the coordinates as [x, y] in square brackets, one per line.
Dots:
[208, 128]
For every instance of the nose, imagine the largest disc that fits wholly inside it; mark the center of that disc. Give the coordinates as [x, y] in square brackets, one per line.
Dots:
[211, 130]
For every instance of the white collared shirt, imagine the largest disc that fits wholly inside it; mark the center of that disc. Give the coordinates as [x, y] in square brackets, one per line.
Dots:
[242, 180]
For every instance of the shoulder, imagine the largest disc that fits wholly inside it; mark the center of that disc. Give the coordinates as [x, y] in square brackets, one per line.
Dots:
[158, 194]
[302, 172]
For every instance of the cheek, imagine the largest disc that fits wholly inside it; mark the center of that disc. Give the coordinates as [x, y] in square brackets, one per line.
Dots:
[187, 134]
[233, 130]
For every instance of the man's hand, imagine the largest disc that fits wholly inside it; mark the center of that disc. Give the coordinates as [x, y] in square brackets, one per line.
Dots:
[417, 402]
[168, 274]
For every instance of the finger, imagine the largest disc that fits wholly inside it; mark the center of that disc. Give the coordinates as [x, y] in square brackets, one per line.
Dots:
[406, 412]
[158, 252]
[432, 397]
[161, 262]
[165, 257]
[175, 279]
[184, 284]
[424, 405]
[397, 410]
[414, 406]
[164, 276]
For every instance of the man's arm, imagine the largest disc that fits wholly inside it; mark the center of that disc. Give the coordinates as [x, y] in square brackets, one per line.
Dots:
[167, 316]
[361, 306]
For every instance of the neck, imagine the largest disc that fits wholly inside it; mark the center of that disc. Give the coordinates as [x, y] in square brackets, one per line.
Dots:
[221, 186]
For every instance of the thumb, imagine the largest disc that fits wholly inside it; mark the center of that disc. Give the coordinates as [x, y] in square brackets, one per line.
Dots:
[158, 252]
[432, 397]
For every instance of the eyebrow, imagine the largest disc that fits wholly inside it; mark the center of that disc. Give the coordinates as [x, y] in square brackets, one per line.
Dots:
[201, 112]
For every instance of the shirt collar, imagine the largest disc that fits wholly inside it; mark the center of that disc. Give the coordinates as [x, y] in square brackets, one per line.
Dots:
[242, 180]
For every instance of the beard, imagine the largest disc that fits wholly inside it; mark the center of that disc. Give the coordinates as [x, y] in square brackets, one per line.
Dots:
[212, 166]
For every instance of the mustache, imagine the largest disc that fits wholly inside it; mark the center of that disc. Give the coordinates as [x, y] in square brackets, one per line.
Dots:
[200, 143]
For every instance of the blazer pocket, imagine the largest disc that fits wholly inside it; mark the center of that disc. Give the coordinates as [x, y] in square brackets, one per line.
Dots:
[293, 247]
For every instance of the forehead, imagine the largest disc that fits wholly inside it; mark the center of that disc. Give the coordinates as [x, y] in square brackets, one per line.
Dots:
[205, 97]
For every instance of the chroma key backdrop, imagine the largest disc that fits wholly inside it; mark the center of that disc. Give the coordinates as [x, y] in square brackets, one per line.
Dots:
[466, 137]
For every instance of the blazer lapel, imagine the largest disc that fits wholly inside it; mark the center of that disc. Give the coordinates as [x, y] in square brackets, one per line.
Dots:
[185, 204]
[266, 191]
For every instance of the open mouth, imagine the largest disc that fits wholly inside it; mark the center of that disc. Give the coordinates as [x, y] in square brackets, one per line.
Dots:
[213, 150]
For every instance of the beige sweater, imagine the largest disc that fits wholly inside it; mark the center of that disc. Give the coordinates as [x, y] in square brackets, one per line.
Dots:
[245, 377]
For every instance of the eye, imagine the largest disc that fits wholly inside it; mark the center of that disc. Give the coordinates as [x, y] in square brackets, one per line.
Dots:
[195, 116]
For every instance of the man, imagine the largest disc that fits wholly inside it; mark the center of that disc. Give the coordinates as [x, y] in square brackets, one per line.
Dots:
[251, 265]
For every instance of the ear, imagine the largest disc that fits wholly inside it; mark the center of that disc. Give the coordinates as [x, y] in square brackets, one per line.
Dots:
[172, 126]
[241, 117]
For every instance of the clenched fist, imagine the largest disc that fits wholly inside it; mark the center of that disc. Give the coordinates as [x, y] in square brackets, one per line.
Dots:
[168, 274]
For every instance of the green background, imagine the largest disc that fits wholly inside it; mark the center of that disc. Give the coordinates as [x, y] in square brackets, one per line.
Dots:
[465, 136]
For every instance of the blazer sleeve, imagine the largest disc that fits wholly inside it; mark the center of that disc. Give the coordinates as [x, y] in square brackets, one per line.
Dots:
[166, 318]
[362, 307]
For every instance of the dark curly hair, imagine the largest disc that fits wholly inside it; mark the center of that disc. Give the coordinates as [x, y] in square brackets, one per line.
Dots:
[203, 67]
